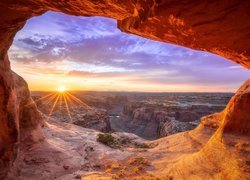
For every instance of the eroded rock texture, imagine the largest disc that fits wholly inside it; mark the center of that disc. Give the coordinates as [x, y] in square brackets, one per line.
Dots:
[235, 118]
[220, 27]
[98, 120]
[237, 112]
[227, 151]
[9, 133]
[19, 118]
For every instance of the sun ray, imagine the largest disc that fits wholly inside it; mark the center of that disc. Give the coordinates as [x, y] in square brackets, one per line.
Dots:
[41, 98]
[59, 97]
[78, 101]
[47, 101]
[53, 107]
[45, 96]
[67, 107]
[75, 101]
[50, 99]
[69, 101]
[60, 101]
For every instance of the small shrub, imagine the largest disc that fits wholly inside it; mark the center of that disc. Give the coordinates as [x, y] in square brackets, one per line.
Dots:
[108, 140]
[125, 141]
[141, 145]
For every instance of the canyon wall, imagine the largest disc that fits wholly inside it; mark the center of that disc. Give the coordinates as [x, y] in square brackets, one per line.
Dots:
[227, 150]
[220, 27]
[235, 118]
[237, 113]
[152, 120]
[19, 118]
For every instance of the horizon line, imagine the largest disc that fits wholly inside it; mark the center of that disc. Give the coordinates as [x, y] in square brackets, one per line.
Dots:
[135, 91]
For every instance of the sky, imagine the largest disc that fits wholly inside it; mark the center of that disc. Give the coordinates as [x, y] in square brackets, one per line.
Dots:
[91, 53]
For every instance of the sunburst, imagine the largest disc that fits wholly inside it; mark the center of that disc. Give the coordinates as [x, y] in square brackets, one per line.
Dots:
[62, 96]
[61, 89]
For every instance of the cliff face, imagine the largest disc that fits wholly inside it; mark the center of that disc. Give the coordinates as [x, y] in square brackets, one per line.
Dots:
[227, 151]
[9, 131]
[151, 120]
[235, 118]
[237, 113]
[98, 120]
[19, 118]
[112, 103]
[220, 27]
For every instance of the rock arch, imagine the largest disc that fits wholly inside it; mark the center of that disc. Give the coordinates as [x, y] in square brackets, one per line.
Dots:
[220, 27]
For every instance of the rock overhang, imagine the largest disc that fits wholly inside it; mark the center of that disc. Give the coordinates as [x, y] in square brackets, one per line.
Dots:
[218, 27]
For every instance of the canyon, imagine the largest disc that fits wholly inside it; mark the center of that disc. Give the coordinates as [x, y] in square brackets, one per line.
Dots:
[70, 151]
[155, 115]
[218, 148]
[148, 115]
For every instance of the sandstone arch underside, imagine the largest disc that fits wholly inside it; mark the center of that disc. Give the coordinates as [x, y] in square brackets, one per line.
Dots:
[220, 27]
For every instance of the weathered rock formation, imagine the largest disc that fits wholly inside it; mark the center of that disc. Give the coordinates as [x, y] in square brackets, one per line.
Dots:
[226, 154]
[19, 119]
[235, 118]
[94, 119]
[149, 122]
[113, 103]
[153, 119]
[220, 27]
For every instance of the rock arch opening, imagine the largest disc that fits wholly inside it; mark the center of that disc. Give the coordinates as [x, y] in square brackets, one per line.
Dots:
[184, 27]
[90, 54]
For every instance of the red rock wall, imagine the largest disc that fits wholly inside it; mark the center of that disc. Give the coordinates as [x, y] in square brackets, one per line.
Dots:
[235, 118]
[9, 133]
[19, 117]
[237, 113]
[221, 27]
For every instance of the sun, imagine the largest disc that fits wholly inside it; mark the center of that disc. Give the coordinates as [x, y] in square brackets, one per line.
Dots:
[61, 89]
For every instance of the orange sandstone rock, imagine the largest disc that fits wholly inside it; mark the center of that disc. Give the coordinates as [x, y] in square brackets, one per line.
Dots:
[220, 27]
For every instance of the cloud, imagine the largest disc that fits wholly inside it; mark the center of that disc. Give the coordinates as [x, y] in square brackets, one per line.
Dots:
[86, 74]
[93, 47]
